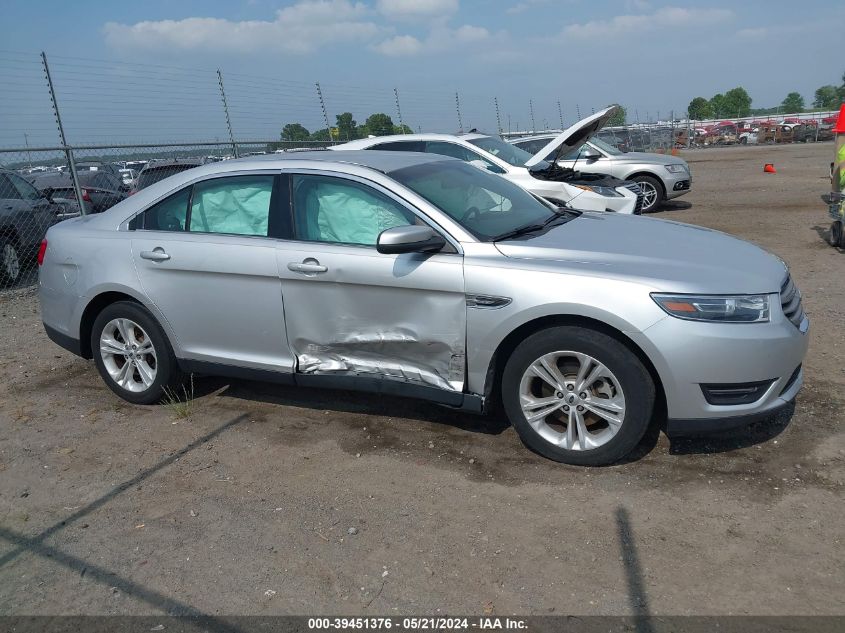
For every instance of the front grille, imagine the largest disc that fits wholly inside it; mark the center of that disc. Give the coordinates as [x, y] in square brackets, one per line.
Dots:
[790, 301]
[635, 188]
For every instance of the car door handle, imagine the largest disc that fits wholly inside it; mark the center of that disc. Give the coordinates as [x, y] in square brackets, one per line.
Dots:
[307, 267]
[157, 255]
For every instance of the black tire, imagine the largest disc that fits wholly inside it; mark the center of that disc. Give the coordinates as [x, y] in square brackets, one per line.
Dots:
[10, 262]
[743, 141]
[168, 377]
[835, 236]
[657, 186]
[633, 378]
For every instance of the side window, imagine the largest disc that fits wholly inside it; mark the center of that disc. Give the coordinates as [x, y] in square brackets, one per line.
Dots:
[168, 215]
[533, 146]
[238, 205]
[449, 149]
[337, 210]
[401, 146]
[26, 190]
[7, 190]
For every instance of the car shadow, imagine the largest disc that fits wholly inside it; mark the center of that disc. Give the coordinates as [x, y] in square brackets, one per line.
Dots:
[744, 437]
[671, 205]
[343, 401]
[823, 231]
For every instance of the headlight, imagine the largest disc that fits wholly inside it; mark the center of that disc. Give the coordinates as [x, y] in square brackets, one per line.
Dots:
[610, 192]
[723, 309]
[676, 168]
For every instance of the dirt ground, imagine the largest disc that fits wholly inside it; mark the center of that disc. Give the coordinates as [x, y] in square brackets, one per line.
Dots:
[244, 503]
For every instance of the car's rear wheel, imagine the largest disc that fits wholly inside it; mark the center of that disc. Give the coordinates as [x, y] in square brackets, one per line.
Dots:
[835, 236]
[10, 262]
[132, 353]
[577, 396]
[652, 192]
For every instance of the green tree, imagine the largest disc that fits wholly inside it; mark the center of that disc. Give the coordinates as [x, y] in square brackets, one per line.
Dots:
[794, 102]
[737, 102]
[295, 132]
[717, 105]
[699, 109]
[346, 126]
[618, 117]
[379, 124]
[402, 129]
[826, 97]
[320, 135]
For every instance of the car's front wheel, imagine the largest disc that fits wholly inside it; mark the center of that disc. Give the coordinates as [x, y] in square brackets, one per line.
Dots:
[132, 353]
[652, 192]
[577, 396]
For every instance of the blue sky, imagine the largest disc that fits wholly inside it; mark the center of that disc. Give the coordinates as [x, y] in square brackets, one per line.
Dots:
[645, 54]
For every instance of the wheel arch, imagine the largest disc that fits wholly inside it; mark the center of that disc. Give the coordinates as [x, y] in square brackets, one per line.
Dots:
[507, 346]
[99, 301]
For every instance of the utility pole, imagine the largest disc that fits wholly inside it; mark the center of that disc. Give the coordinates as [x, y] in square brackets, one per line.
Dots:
[458, 106]
[531, 110]
[323, 108]
[560, 114]
[498, 118]
[28, 153]
[399, 111]
[226, 112]
[578, 111]
[71, 165]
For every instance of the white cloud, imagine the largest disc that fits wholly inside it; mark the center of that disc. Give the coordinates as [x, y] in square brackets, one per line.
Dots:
[521, 7]
[300, 28]
[439, 39]
[401, 45]
[752, 33]
[416, 9]
[666, 17]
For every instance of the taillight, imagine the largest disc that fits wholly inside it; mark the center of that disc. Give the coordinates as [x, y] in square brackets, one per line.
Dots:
[42, 250]
[86, 195]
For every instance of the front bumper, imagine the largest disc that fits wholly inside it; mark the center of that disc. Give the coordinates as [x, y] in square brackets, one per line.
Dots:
[677, 184]
[689, 354]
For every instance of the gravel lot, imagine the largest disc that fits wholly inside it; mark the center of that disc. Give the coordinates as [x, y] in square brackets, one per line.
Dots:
[244, 503]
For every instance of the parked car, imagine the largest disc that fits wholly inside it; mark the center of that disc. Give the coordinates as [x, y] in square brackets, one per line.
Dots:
[660, 176]
[100, 190]
[589, 192]
[25, 216]
[159, 170]
[421, 275]
[128, 177]
[99, 166]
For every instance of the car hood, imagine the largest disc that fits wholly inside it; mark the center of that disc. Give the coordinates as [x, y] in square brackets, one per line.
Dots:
[668, 256]
[574, 136]
[649, 158]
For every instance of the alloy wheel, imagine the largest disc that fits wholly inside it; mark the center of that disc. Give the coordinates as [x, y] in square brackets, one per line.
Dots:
[572, 400]
[11, 262]
[128, 355]
[649, 194]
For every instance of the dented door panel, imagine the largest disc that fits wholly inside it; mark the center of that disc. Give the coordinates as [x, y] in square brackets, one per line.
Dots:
[350, 310]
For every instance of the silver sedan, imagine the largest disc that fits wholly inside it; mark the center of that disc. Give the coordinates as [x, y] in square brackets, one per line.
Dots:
[420, 275]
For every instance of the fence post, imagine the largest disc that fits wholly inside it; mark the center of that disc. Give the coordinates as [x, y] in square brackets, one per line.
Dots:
[325, 114]
[71, 165]
[498, 118]
[458, 106]
[399, 111]
[560, 114]
[226, 112]
[531, 112]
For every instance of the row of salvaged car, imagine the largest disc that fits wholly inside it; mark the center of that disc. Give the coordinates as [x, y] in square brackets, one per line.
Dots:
[574, 168]
[790, 130]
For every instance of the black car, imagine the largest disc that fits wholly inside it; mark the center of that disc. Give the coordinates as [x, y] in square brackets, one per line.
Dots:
[25, 216]
[100, 190]
[159, 170]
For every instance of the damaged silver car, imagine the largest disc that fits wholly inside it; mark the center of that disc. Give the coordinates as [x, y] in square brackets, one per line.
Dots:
[420, 275]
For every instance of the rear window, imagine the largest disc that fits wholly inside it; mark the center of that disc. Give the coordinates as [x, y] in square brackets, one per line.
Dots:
[152, 176]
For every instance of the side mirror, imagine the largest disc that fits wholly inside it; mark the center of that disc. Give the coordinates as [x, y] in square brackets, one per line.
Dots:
[590, 155]
[409, 239]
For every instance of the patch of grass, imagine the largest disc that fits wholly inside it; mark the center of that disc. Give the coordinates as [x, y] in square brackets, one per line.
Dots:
[181, 405]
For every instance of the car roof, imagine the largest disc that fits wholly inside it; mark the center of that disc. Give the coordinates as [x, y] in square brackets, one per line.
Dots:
[433, 136]
[383, 161]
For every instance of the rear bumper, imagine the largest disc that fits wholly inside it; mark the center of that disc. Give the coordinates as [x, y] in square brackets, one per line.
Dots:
[63, 340]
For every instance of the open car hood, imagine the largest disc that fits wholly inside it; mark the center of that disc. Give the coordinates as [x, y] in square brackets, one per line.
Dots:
[573, 136]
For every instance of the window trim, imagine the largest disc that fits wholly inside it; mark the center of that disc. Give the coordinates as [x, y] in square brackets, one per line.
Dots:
[414, 210]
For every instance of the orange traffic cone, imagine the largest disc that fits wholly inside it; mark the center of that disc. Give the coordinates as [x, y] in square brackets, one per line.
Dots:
[769, 168]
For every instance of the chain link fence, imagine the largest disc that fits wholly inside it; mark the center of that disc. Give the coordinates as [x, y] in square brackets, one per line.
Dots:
[79, 135]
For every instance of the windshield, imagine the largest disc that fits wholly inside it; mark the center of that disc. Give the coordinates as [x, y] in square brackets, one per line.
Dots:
[485, 204]
[607, 148]
[502, 150]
